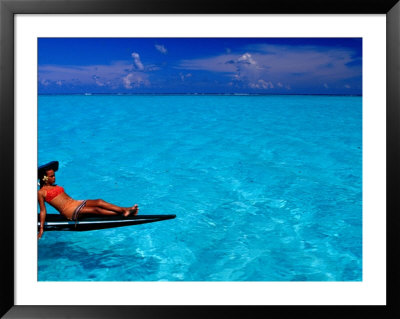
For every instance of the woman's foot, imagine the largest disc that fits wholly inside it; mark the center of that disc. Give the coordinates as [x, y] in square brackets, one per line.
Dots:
[132, 211]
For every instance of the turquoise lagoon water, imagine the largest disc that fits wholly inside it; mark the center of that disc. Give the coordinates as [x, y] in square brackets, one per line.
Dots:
[265, 188]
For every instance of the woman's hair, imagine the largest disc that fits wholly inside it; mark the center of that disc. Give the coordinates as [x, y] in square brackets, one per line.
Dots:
[42, 179]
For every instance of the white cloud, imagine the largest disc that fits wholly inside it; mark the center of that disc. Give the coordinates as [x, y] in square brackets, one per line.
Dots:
[136, 61]
[185, 76]
[261, 84]
[127, 81]
[44, 82]
[97, 80]
[250, 73]
[161, 48]
[151, 68]
[134, 80]
[246, 59]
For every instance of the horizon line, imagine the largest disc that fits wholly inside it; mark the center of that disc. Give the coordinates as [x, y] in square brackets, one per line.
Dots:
[233, 94]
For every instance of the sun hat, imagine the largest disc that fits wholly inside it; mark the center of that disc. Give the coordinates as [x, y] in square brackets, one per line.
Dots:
[43, 168]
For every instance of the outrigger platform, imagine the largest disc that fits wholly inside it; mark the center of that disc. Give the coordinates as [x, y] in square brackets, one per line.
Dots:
[59, 223]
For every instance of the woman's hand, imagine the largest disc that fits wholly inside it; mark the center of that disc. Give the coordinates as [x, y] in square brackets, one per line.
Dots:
[40, 233]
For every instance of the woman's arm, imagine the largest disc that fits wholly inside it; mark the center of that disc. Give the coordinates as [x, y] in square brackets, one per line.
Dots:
[42, 213]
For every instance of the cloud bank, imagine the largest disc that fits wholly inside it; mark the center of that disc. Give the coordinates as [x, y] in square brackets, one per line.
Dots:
[256, 68]
[114, 76]
[281, 66]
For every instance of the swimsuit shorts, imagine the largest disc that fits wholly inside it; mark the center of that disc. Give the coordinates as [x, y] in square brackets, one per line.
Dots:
[78, 209]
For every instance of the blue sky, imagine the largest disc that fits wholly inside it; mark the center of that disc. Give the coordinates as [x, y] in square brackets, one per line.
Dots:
[200, 65]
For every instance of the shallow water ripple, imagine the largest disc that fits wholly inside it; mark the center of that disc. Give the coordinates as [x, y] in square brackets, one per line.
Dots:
[265, 188]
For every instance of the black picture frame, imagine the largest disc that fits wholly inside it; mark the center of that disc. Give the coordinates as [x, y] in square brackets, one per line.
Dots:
[8, 8]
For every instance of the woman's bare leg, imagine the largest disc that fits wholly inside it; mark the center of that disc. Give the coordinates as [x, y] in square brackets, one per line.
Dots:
[97, 211]
[105, 208]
